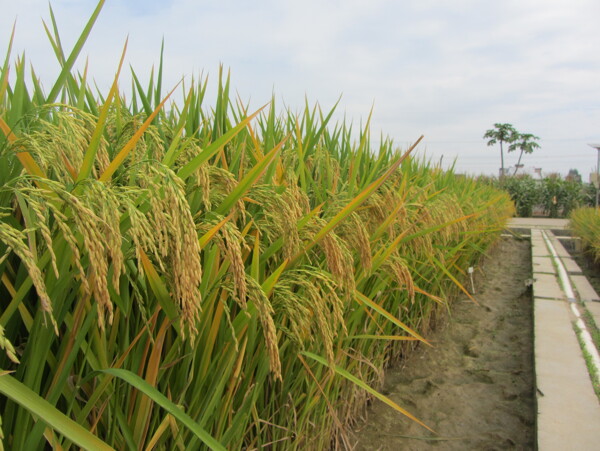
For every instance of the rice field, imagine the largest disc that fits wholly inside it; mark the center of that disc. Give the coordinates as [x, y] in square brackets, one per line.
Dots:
[176, 275]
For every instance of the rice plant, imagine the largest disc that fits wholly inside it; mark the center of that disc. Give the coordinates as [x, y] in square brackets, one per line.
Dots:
[585, 223]
[192, 277]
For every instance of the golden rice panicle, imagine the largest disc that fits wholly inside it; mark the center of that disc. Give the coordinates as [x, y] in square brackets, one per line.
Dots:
[297, 199]
[353, 230]
[41, 223]
[222, 183]
[141, 232]
[230, 243]
[100, 232]
[290, 301]
[159, 214]
[102, 160]
[386, 205]
[8, 347]
[456, 212]
[181, 244]
[167, 233]
[62, 223]
[401, 222]
[123, 125]
[437, 215]
[109, 211]
[339, 261]
[376, 211]
[59, 142]
[265, 314]
[290, 211]
[331, 305]
[153, 145]
[338, 258]
[419, 220]
[444, 208]
[203, 183]
[15, 240]
[278, 217]
[400, 271]
[90, 226]
[309, 300]
[74, 129]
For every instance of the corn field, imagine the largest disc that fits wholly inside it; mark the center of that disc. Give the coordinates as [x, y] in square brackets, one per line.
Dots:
[179, 276]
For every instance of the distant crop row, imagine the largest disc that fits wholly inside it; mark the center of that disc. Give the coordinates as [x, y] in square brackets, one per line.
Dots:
[189, 277]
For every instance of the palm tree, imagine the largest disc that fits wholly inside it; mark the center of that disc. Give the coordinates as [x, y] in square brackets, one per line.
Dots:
[526, 144]
[500, 134]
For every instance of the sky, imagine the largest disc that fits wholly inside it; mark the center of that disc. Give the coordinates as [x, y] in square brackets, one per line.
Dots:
[448, 70]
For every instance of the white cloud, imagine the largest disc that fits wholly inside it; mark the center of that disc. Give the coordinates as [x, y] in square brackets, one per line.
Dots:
[446, 69]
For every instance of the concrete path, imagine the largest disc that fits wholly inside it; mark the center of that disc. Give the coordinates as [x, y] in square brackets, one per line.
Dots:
[568, 409]
[538, 223]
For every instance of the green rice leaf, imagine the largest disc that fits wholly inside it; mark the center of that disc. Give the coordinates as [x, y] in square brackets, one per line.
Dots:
[355, 380]
[214, 147]
[68, 65]
[127, 148]
[249, 179]
[46, 412]
[355, 203]
[5, 67]
[165, 403]
[90, 154]
[361, 298]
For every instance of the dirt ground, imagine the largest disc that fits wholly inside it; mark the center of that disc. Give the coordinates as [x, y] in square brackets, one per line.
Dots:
[475, 387]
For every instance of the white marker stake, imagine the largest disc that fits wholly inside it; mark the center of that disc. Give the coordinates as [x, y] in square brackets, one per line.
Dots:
[471, 275]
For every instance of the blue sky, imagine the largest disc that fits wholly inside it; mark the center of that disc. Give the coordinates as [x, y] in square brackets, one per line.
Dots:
[448, 70]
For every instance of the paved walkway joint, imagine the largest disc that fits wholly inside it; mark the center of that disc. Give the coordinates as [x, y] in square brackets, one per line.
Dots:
[568, 409]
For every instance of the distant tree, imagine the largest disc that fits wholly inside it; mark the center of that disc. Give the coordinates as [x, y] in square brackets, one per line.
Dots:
[502, 133]
[526, 143]
[573, 176]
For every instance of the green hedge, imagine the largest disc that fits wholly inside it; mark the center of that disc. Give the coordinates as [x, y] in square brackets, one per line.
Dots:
[554, 196]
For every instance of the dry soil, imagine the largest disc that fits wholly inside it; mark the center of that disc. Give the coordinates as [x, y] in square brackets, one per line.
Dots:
[474, 388]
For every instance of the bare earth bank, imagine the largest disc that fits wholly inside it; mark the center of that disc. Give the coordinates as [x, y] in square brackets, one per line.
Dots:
[475, 388]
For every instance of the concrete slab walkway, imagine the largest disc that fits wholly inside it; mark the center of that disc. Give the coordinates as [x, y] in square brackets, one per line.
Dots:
[568, 409]
[538, 223]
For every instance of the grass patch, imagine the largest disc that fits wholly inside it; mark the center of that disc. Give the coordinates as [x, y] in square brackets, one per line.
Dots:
[592, 370]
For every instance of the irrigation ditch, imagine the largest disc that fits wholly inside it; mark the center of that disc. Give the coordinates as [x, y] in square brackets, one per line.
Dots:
[475, 387]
